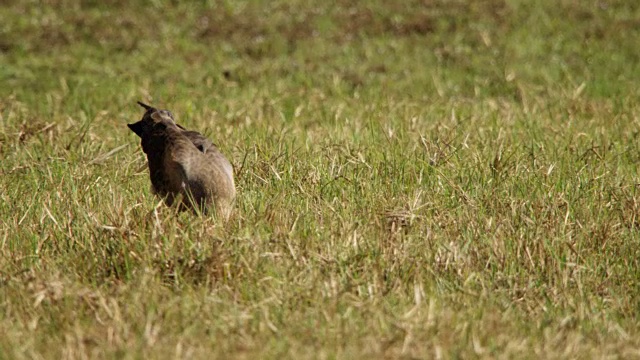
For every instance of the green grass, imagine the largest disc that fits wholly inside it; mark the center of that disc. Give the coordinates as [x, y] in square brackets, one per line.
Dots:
[416, 179]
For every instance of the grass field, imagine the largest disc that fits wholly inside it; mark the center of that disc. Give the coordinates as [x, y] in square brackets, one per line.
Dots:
[416, 179]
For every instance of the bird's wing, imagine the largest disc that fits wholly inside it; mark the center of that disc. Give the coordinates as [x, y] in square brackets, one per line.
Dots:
[199, 140]
[200, 159]
[220, 161]
[184, 168]
[180, 158]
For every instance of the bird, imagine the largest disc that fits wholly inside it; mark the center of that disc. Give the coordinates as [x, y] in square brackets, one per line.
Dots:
[185, 167]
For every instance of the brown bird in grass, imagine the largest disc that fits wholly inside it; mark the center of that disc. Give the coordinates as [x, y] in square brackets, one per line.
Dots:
[186, 168]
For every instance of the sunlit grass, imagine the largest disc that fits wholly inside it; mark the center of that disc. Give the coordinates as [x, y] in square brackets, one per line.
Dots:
[419, 180]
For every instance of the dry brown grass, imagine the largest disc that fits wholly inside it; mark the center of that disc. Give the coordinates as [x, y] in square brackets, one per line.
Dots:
[434, 179]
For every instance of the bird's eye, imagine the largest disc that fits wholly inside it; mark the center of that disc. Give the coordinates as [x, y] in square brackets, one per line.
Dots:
[167, 113]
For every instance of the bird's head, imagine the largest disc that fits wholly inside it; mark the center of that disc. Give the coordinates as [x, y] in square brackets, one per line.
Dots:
[152, 119]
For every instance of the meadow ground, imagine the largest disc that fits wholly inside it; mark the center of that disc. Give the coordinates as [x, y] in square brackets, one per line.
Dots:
[417, 179]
